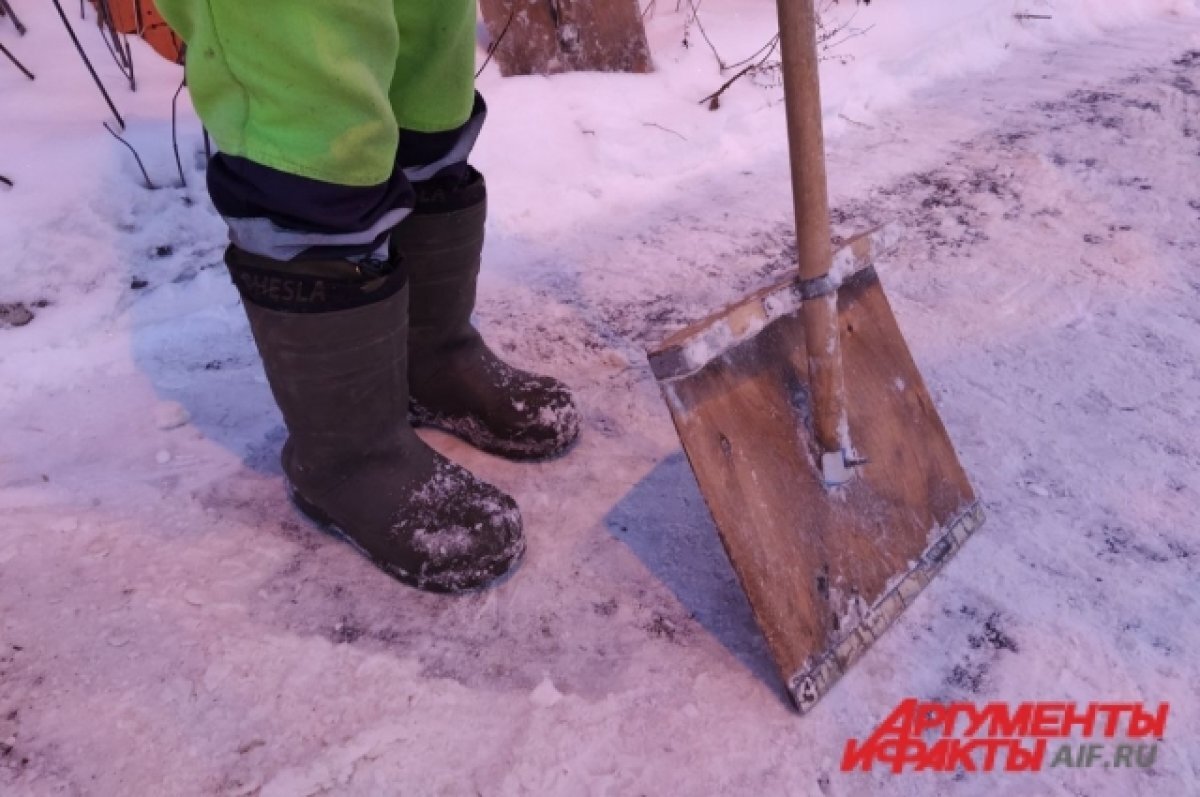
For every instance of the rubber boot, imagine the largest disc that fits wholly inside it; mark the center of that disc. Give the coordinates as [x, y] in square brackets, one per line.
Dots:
[458, 384]
[336, 360]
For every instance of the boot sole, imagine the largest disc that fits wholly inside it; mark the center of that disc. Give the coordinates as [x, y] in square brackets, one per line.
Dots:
[496, 572]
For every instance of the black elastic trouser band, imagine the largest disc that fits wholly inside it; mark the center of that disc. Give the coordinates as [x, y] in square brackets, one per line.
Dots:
[449, 192]
[243, 189]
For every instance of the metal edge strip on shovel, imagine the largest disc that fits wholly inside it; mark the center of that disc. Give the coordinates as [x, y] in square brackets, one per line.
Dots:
[828, 472]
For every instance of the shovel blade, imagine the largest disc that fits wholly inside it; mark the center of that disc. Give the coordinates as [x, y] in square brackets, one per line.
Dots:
[826, 570]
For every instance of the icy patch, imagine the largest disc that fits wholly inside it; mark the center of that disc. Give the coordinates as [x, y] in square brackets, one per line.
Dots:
[545, 694]
[65, 525]
[853, 609]
[170, 415]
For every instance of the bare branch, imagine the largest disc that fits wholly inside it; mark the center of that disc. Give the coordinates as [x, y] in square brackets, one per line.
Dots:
[759, 65]
[149, 183]
[88, 63]
[714, 99]
[6, 11]
[175, 132]
[667, 129]
[491, 50]
[16, 63]
[704, 34]
[855, 122]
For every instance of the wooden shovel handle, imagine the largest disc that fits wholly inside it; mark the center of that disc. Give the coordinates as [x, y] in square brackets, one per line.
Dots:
[806, 138]
[810, 196]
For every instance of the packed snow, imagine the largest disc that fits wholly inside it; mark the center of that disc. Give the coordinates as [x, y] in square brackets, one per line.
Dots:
[170, 624]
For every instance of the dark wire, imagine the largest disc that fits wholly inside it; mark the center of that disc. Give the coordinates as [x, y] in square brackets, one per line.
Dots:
[149, 183]
[129, 58]
[6, 10]
[79, 49]
[496, 44]
[108, 27]
[175, 131]
[18, 64]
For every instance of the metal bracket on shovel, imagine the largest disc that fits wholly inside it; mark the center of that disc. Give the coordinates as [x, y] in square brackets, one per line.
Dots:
[836, 469]
[690, 349]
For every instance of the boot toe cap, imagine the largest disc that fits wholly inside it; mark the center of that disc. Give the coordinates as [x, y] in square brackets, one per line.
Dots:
[458, 533]
[557, 423]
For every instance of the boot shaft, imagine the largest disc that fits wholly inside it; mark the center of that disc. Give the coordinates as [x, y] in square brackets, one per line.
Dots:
[332, 337]
[441, 244]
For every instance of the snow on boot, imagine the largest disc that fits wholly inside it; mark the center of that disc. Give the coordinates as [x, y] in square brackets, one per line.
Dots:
[332, 336]
[458, 384]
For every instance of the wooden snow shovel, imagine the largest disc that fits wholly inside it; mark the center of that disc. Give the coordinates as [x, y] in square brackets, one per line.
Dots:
[830, 476]
[540, 37]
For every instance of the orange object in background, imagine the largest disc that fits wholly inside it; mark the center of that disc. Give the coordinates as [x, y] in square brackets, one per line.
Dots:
[142, 17]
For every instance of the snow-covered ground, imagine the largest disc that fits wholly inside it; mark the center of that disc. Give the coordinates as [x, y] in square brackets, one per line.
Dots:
[170, 625]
